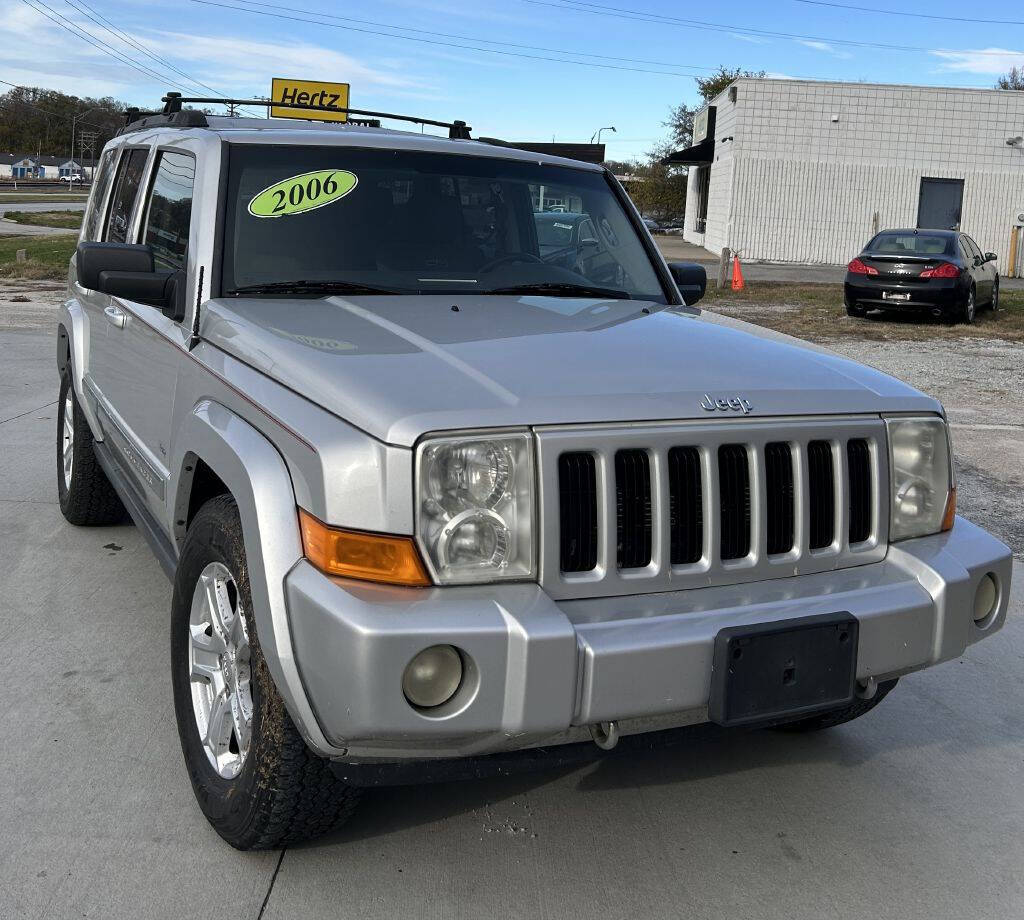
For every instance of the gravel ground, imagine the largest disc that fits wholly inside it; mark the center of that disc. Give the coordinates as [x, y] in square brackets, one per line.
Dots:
[978, 380]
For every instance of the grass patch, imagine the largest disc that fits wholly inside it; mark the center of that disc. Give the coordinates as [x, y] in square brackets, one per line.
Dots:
[27, 197]
[816, 312]
[47, 256]
[64, 220]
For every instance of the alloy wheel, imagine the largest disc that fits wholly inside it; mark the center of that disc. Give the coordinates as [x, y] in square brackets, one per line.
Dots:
[219, 670]
[67, 449]
[995, 297]
[969, 307]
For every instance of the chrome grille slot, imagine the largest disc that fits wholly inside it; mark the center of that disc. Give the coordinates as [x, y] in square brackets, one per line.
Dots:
[821, 493]
[734, 501]
[858, 461]
[577, 491]
[778, 477]
[653, 508]
[633, 508]
[686, 505]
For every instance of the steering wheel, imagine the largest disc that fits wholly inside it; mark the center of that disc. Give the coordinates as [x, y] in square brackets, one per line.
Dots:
[510, 257]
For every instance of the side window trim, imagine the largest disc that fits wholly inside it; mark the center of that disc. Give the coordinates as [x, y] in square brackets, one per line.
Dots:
[122, 164]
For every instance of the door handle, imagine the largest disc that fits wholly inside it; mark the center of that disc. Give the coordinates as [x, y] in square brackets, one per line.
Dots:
[115, 316]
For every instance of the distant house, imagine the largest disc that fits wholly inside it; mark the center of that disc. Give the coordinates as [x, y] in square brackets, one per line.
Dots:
[30, 166]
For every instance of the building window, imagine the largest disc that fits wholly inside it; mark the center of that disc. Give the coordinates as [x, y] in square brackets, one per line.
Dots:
[700, 221]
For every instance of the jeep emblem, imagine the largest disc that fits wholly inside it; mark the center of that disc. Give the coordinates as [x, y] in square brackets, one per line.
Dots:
[732, 404]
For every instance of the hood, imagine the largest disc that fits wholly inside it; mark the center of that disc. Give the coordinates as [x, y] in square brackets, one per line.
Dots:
[400, 366]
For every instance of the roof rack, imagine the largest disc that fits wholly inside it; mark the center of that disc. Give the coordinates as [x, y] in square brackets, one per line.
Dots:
[173, 115]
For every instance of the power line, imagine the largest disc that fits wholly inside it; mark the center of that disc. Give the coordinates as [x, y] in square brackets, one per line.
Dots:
[471, 38]
[703, 25]
[96, 16]
[427, 41]
[875, 9]
[79, 32]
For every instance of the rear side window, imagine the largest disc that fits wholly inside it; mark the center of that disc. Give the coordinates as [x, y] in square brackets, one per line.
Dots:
[169, 211]
[100, 186]
[126, 188]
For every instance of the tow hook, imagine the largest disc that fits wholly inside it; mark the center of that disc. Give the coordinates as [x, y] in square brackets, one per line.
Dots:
[867, 689]
[605, 734]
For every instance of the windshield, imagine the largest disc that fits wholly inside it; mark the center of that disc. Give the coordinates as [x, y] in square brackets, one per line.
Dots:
[910, 243]
[386, 221]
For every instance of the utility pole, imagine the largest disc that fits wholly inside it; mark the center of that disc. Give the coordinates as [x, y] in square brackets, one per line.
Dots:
[74, 120]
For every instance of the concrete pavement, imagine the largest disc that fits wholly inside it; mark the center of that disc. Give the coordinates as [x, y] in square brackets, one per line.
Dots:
[913, 812]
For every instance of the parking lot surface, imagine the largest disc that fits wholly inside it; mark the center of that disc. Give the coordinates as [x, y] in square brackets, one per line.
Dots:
[914, 811]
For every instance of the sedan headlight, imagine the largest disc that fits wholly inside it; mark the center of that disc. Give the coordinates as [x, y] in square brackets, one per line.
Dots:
[474, 507]
[920, 477]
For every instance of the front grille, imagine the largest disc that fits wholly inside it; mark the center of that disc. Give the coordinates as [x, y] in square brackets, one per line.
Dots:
[822, 493]
[633, 508]
[778, 479]
[577, 504]
[734, 500]
[858, 461]
[686, 505]
[663, 508]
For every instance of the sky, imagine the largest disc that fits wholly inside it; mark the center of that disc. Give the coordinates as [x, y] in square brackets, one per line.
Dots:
[518, 69]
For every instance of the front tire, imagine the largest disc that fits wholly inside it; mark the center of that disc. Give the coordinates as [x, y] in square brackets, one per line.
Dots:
[835, 717]
[84, 493]
[995, 296]
[256, 781]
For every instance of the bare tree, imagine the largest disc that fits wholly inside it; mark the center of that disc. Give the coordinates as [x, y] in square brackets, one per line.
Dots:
[1012, 80]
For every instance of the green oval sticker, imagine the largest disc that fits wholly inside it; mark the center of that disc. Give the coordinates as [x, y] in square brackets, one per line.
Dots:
[306, 192]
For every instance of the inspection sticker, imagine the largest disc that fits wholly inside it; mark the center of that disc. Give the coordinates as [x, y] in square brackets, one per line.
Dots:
[305, 192]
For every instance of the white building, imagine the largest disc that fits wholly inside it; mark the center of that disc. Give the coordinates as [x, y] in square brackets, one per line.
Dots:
[806, 171]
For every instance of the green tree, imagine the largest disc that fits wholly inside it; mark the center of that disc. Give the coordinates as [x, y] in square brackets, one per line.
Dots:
[1012, 80]
[680, 117]
[36, 120]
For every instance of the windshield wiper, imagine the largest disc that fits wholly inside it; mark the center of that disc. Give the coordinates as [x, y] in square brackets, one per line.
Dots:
[308, 288]
[560, 289]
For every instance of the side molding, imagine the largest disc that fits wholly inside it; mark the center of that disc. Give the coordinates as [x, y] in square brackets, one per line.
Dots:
[251, 467]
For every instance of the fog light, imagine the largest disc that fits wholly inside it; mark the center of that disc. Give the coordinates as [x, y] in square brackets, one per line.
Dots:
[985, 598]
[433, 676]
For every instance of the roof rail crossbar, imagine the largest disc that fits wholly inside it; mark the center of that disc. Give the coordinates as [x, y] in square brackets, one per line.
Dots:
[173, 102]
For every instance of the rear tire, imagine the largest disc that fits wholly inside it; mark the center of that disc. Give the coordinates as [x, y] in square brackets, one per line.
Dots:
[835, 717]
[84, 493]
[970, 308]
[256, 781]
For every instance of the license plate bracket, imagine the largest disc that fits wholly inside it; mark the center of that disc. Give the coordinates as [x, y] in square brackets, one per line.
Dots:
[784, 669]
[895, 295]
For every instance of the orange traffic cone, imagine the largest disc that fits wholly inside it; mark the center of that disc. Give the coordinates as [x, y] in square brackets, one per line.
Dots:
[737, 274]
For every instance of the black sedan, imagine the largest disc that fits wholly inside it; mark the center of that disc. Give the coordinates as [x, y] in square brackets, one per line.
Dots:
[942, 271]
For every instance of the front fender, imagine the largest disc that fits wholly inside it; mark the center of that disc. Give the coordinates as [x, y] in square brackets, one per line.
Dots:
[251, 467]
[73, 355]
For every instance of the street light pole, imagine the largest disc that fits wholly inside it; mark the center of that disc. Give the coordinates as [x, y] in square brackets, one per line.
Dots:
[597, 133]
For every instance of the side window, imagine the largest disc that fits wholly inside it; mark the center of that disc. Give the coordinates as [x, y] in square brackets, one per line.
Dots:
[100, 186]
[126, 188]
[972, 247]
[169, 211]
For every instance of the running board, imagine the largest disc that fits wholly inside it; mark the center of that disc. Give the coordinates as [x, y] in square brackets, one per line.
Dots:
[158, 542]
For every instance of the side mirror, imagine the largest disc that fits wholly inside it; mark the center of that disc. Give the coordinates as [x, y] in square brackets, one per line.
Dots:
[126, 270]
[691, 279]
[991, 257]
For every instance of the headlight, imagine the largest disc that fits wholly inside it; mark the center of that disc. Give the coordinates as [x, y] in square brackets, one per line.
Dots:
[920, 476]
[474, 507]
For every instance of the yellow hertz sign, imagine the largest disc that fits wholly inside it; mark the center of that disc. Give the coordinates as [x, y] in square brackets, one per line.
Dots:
[328, 97]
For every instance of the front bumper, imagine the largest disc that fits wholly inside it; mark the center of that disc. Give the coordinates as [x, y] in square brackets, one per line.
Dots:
[541, 671]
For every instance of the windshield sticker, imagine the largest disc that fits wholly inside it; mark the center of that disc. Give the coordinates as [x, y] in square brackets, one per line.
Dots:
[305, 192]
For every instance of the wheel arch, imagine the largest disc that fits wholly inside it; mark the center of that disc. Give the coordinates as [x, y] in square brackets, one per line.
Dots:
[223, 453]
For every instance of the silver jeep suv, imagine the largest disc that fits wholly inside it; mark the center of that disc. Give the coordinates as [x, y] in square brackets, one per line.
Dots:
[430, 490]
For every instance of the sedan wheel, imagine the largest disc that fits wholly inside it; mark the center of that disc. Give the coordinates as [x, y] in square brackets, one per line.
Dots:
[995, 296]
[970, 309]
